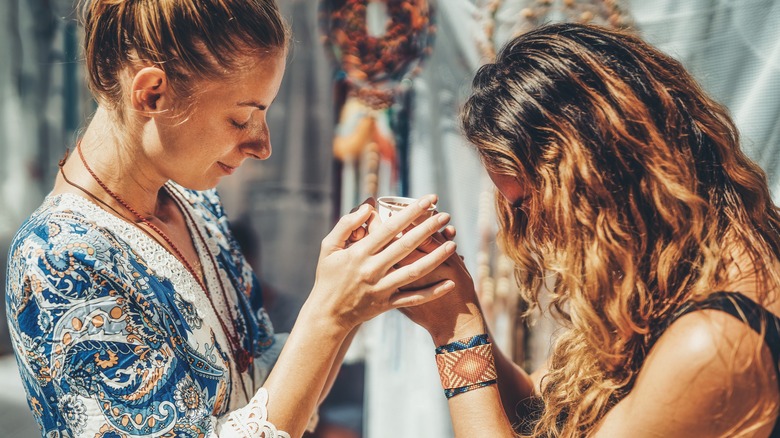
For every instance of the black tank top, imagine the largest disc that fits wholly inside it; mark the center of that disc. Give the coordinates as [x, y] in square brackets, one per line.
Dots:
[750, 312]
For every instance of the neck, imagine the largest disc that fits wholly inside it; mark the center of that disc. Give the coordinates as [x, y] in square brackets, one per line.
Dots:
[121, 163]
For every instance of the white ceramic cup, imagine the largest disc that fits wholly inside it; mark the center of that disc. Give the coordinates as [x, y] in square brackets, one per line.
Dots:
[389, 205]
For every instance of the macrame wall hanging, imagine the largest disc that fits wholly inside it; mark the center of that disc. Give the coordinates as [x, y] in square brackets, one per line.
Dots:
[494, 277]
[534, 13]
[378, 46]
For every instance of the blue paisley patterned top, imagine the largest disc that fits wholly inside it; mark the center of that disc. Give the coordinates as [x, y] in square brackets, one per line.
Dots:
[114, 337]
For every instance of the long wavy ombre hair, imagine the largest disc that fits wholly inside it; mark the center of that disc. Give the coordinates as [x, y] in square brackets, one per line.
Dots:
[638, 198]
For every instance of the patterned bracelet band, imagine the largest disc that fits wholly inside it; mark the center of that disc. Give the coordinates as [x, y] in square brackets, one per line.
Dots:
[466, 364]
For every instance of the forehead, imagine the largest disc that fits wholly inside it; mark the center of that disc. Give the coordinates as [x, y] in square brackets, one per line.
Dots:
[258, 78]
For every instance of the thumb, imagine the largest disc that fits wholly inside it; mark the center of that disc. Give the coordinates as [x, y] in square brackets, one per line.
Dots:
[348, 223]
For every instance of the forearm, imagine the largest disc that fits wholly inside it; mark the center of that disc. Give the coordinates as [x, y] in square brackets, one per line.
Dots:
[514, 385]
[479, 413]
[299, 377]
[334, 370]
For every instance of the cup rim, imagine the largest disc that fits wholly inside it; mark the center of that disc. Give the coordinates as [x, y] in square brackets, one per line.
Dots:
[384, 202]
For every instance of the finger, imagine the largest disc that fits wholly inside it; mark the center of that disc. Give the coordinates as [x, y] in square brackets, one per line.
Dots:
[343, 229]
[412, 239]
[411, 258]
[431, 243]
[387, 230]
[370, 201]
[436, 239]
[421, 296]
[358, 234]
[449, 232]
[373, 221]
[409, 273]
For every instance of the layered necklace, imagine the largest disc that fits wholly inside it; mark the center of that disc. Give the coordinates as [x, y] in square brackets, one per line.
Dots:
[242, 356]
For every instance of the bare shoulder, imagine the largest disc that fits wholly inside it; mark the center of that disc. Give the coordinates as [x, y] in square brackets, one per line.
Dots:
[709, 374]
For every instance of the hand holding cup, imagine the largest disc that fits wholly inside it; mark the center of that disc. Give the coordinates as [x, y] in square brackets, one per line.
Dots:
[359, 280]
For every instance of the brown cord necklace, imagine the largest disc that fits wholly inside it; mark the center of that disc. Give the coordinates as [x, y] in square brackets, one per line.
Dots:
[242, 356]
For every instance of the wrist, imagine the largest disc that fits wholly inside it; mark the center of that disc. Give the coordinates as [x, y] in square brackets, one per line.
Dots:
[318, 321]
[466, 365]
[465, 326]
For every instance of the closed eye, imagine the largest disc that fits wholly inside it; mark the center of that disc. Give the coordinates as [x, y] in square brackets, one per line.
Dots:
[240, 126]
[520, 203]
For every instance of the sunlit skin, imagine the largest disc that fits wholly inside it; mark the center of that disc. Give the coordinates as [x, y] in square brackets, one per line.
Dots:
[230, 124]
[510, 187]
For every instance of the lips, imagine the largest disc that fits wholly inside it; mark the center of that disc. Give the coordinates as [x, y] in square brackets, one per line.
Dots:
[227, 169]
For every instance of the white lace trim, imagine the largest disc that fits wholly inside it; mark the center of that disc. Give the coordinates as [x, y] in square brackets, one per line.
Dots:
[252, 421]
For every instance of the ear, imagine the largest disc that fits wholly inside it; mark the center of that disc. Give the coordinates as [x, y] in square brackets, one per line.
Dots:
[149, 91]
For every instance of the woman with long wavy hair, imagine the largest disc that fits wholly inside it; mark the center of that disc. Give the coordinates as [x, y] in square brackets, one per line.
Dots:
[623, 188]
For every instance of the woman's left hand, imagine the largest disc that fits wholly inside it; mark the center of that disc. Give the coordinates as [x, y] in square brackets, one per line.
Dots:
[357, 281]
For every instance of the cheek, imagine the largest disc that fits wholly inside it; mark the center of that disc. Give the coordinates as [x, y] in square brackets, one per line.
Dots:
[508, 185]
[207, 134]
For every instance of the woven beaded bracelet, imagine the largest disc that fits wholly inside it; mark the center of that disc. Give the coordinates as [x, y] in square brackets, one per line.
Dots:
[466, 364]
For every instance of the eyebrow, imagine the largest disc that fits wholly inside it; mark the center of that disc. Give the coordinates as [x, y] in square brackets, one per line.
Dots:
[253, 103]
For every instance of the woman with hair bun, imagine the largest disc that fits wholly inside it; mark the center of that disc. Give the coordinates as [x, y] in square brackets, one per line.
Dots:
[128, 297]
[623, 191]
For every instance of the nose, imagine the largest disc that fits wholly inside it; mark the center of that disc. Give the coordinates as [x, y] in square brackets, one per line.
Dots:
[258, 145]
[259, 149]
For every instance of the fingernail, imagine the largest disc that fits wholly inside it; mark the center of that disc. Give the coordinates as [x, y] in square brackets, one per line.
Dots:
[443, 218]
[449, 284]
[425, 202]
[450, 246]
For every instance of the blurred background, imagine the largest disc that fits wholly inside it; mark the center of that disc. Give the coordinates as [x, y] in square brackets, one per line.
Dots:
[355, 120]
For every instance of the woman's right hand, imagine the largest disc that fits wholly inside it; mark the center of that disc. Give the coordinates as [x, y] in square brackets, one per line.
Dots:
[458, 314]
[357, 281]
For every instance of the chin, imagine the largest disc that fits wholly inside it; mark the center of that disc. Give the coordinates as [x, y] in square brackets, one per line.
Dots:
[198, 185]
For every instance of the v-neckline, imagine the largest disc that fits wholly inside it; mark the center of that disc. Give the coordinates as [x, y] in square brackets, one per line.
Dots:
[140, 234]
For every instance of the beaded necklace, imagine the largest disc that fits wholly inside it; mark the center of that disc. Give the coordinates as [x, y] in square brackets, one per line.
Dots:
[242, 356]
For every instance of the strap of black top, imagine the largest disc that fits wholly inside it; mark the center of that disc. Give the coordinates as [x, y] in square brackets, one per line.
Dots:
[744, 309]
[750, 312]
